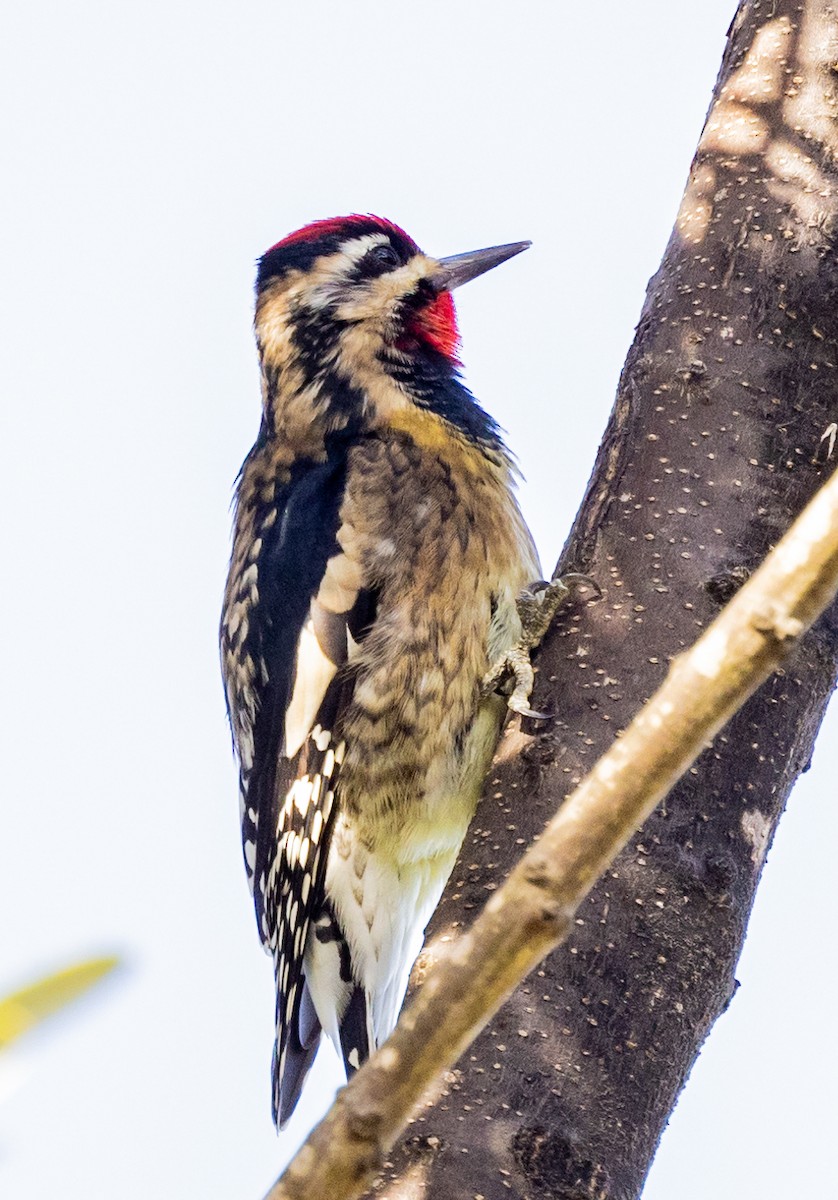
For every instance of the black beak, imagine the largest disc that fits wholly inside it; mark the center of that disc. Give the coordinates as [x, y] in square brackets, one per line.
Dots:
[460, 268]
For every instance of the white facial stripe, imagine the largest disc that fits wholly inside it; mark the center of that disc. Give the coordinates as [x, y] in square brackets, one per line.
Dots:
[355, 250]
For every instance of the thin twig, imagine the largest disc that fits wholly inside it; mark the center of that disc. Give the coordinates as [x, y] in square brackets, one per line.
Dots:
[532, 912]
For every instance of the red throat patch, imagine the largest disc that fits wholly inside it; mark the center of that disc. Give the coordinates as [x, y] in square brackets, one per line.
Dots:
[436, 325]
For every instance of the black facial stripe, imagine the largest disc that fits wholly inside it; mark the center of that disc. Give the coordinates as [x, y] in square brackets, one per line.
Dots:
[380, 260]
[422, 294]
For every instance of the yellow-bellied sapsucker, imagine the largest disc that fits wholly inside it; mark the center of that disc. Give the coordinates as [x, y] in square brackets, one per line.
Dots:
[377, 557]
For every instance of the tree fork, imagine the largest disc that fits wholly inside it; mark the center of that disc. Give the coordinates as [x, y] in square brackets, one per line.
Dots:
[722, 429]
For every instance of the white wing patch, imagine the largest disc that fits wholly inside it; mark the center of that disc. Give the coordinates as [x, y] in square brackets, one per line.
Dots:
[322, 648]
[315, 671]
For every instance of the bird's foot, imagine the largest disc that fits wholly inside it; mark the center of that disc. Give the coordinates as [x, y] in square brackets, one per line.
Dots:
[537, 606]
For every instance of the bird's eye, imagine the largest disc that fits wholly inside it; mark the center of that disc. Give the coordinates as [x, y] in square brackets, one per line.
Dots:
[380, 259]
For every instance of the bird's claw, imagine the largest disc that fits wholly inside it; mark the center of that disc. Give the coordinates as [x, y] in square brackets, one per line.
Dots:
[539, 603]
[537, 606]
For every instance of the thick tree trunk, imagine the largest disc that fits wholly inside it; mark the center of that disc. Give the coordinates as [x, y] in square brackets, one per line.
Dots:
[722, 429]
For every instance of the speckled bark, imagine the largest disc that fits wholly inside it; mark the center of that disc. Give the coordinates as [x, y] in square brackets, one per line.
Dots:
[721, 431]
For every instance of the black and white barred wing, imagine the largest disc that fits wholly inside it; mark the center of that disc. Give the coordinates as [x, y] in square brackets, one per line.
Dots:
[294, 891]
[295, 604]
[307, 784]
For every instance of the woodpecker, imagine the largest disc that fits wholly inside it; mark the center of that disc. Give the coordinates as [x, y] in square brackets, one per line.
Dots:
[378, 556]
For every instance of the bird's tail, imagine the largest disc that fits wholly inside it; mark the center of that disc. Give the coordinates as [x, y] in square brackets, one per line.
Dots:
[291, 1068]
[356, 1039]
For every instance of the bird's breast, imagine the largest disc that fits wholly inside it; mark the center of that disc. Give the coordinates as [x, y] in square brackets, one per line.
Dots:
[442, 541]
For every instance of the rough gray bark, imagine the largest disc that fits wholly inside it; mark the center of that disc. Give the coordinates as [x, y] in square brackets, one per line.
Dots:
[721, 431]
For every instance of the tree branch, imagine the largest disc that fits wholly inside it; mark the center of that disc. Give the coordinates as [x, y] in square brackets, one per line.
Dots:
[534, 910]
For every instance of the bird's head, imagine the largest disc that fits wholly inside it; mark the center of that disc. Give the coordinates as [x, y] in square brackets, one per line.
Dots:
[354, 303]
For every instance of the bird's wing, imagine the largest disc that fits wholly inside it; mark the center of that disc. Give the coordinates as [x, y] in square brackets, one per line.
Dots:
[312, 605]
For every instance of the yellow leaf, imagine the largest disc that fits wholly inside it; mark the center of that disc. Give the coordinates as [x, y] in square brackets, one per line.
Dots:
[24, 1009]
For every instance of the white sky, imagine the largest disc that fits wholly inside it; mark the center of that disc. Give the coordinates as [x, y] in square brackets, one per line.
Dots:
[150, 154]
